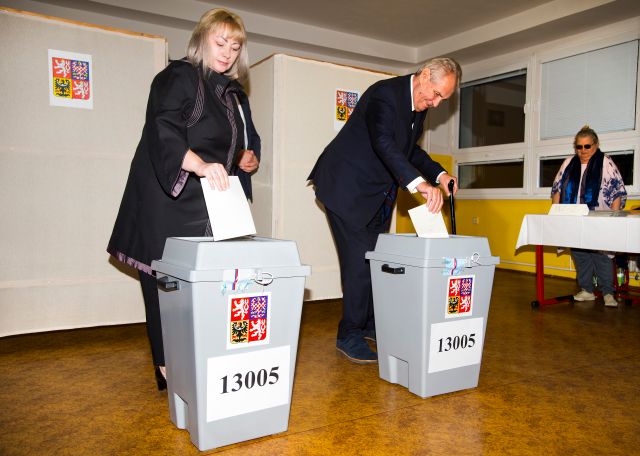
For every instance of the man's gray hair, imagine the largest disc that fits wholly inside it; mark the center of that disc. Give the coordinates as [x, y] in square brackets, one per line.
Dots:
[440, 67]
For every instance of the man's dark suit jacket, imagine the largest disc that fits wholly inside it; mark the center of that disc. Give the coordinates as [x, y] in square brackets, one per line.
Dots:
[375, 149]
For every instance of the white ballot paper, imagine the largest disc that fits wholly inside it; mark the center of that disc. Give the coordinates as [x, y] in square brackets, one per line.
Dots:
[428, 224]
[569, 209]
[229, 212]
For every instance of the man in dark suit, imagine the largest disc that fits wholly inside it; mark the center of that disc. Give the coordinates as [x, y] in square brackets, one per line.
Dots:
[358, 175]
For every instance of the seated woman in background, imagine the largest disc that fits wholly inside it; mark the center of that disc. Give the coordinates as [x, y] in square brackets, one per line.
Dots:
[590, 177]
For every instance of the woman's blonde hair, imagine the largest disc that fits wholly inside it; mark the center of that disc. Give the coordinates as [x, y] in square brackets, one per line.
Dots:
[586, 131]
[231, 25]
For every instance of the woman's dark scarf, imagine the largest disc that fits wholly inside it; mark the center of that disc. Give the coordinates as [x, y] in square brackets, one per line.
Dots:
[590, 188]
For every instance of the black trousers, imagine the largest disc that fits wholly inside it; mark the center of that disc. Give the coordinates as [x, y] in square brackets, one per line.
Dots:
[152, 311]
[352, 243]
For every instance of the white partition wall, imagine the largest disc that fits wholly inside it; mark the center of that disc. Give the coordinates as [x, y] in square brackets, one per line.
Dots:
[293, 105]
[63, 171]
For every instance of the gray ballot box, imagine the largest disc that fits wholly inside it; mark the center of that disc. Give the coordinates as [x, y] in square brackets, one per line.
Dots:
[431, 302]
[230, 321]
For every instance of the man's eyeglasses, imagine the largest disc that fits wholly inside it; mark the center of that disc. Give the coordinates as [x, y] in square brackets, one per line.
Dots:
[580, 146]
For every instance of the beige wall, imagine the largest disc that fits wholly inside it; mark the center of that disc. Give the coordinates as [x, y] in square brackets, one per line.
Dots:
[64, 171]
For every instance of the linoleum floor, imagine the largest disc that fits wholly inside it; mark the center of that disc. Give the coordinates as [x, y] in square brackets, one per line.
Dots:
[560, 380]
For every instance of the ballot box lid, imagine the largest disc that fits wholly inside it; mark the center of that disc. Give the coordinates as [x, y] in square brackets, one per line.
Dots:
[412, 250]
[200, 258]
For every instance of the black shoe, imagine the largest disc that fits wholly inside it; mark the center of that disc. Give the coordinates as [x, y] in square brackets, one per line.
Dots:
[160, 380]
[355, 348]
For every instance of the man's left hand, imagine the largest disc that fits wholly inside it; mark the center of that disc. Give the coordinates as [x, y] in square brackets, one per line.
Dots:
[444, 183]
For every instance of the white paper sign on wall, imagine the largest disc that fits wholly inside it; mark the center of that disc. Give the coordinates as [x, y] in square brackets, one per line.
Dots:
[247, 382]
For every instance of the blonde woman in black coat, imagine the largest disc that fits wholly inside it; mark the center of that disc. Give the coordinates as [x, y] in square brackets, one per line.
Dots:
[198, 124]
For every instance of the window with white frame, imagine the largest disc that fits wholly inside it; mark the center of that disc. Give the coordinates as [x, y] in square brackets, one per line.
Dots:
[492, 110]
[562, 93]
[491, 115]
[596, 88]
[494, 174]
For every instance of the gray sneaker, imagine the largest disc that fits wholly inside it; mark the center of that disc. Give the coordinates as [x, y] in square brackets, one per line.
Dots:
[584, 295]
[610, 301]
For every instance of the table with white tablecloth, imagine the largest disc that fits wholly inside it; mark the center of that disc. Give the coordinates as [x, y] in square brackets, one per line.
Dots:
[612, 231]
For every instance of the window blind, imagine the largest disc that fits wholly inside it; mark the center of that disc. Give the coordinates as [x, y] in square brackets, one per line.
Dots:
[596, 88]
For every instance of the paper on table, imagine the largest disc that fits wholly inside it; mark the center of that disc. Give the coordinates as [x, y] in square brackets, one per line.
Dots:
[569, 209]
[229, 212]
[428, 224]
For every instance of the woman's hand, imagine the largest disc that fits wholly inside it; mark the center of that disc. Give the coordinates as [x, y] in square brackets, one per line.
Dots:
[214, 172]
[248, 161]
[615, 204]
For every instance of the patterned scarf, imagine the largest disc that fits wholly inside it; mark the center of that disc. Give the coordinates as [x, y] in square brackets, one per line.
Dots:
[590, 187]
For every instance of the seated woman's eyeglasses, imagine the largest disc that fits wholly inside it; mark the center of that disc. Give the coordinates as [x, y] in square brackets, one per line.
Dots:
[586, 146]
